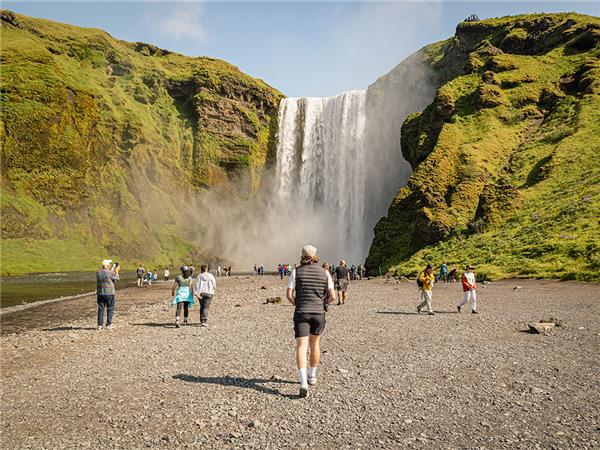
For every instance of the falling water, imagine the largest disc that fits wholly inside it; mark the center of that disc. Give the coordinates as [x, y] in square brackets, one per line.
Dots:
[322, 166]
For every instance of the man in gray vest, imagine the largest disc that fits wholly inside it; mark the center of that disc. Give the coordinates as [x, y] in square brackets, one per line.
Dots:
[309, 287]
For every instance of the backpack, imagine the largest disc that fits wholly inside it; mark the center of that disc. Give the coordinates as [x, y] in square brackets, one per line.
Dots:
[419, 282]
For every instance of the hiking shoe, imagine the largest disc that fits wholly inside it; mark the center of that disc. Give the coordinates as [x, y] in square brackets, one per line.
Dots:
[474, 312]
[303, 390]
[431, 313]
[418, 310]
[203, 324]
[459, 308]
[177, 324]
[312, 380]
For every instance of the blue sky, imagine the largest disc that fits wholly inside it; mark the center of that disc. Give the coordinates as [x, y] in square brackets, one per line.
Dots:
[301, 48]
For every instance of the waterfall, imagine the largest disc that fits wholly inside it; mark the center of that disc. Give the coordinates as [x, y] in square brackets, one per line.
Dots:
[321, 168]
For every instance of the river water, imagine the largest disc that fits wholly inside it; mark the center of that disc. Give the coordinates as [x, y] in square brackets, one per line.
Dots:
[18, 290]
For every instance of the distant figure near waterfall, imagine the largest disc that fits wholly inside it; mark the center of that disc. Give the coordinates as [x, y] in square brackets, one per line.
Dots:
[204, 289]
[342, 278]
[425, 282]
[167, 274]
[469, 285]
[309, 286]
[182, 293]
[105, 292]
[141, 272]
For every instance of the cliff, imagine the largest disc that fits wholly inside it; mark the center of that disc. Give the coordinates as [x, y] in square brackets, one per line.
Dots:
[105, 142]
[505, 162]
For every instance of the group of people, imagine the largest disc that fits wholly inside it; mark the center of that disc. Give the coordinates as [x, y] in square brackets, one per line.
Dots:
[147, 277]
[284, 270]
[310, 288]
[259, 269]
[426, 279]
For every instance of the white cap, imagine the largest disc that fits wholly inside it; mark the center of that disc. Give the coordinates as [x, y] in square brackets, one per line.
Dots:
[106, 262]
[309, 250]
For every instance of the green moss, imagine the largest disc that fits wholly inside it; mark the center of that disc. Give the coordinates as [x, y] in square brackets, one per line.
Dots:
[507, 181]
[97, 134]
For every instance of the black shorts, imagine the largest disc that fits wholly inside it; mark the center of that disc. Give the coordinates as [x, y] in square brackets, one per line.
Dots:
[308, 323]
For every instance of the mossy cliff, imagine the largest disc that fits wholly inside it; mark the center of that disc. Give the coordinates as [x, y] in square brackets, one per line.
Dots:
[104, 142]
[506, 173]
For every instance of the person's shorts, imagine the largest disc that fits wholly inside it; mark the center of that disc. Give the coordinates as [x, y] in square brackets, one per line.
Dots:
[308, 323]
[342, 285]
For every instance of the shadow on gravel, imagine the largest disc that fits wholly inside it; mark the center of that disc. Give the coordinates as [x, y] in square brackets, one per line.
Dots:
[69, 328]
[258, 384]
[410, 313]
[156, 325]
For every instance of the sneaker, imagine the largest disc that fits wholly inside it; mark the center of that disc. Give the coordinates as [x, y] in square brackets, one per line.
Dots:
[418, 310]
[203, 324]
[312, 380]
[474, 312]
[185, 322]
[100, 327]
[459, 308]
[431, 313]
[109, 327]
[303, 390]
[177, 325]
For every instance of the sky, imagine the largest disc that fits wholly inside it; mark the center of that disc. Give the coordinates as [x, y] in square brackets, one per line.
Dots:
[301, 48]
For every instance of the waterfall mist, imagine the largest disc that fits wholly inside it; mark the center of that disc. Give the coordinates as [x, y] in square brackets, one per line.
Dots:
[338, 167]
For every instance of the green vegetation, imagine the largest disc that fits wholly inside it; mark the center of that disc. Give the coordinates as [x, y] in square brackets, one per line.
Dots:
[105, 141]
[506, 168]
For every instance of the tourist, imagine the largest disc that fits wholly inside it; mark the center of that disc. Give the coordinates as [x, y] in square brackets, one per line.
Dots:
[105, 292]
[255, 269]
[261, 269]
[140, 275]
[281, 271]
[443, 275]
[182, 295]
[452, 274]
[327, 267]
[149, 278]
[342, 277]
[309, 286]
[204, 290]
[219, 270]
[167, 274]
[425, 282]
[469, 285]
[228, 271]
[155, 276]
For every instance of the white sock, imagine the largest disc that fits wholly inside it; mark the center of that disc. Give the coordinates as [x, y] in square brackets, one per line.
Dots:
[302, 376]
[312, 372]
[177, 319]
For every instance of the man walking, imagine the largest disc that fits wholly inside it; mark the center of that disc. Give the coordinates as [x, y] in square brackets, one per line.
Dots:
[105, 291]
[425, 281]
[469, 285]
[309, 286]
[204, 289]
[342, 278]
[443, 272]
[140, 275]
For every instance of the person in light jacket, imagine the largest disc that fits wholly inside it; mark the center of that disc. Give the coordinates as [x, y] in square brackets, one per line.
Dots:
[204, 289]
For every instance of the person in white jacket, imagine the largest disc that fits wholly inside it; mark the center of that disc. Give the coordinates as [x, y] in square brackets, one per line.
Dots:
[204, 289]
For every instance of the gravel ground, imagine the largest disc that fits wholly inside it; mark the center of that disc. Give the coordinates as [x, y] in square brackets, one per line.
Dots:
[389, 378]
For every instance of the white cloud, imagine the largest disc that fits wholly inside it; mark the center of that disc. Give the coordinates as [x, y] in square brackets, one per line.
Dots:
[182, 22]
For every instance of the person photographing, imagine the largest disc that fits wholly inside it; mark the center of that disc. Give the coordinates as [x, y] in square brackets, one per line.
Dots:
[309, 286]
[105, 292]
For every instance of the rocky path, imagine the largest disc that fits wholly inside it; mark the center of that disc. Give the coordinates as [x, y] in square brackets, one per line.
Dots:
[389, 378]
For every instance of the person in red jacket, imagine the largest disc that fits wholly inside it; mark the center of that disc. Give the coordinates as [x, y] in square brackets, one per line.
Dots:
[469, 285]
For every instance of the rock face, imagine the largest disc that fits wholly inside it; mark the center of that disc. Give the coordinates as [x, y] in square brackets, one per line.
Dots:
[499, 156]
[104, 141]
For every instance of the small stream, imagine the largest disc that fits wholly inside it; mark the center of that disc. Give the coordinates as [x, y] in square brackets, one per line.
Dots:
[22, 289]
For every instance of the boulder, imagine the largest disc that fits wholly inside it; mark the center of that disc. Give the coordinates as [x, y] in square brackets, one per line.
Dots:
[541, 328]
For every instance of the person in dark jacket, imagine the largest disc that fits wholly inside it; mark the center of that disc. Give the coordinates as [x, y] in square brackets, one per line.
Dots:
[309, 286]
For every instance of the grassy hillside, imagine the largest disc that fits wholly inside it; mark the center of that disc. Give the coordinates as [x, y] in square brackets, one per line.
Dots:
[506, 168]
[104, 142]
